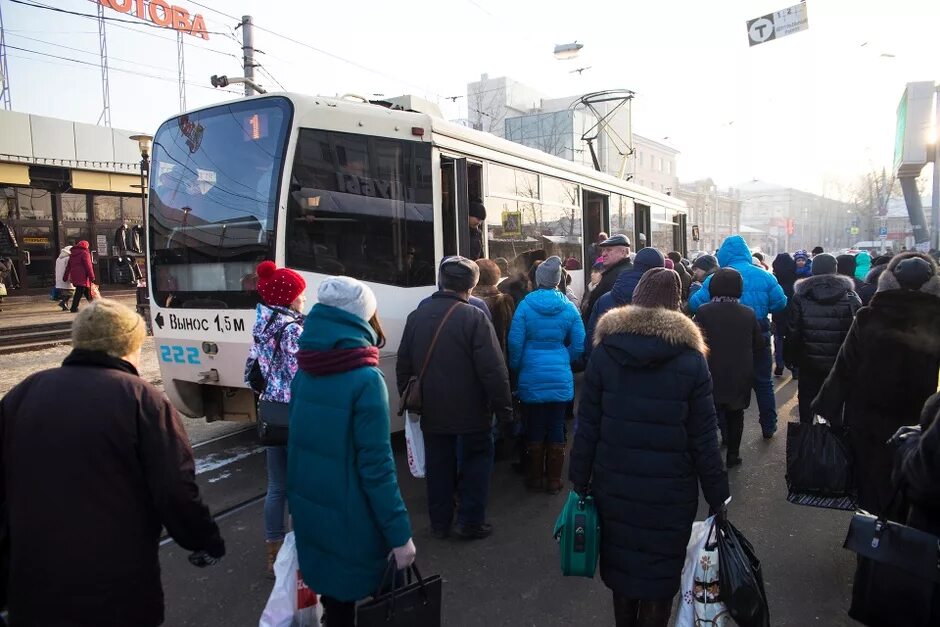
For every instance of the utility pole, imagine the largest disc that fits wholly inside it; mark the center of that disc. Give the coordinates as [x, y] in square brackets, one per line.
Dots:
[935, 201]
[248, 52]
[4, 71]
[105, 85]
[181, 70]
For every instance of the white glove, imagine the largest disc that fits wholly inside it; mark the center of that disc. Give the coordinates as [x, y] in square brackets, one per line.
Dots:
[405, 554]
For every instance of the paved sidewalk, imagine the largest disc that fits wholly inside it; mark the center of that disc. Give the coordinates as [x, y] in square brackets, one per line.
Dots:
[34, 309]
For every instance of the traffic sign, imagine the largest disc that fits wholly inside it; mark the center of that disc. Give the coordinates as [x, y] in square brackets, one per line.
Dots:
[854, 230]
[777, 24]
[883, 233]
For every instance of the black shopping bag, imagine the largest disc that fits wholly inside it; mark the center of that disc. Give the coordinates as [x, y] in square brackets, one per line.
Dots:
[897, 579]
[819, 467]
[740, 578]
[415, 604]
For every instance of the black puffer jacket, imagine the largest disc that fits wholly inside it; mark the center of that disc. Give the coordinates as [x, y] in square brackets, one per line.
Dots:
[467, 380]
[646, 438]
[822, 311]
[867, 290]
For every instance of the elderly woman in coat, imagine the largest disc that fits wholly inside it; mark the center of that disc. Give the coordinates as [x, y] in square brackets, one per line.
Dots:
[341, 482]
[648, 384]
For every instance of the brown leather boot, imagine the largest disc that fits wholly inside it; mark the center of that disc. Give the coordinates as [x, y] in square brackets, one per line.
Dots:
[554, 461]
[535, 467]
[273, 546]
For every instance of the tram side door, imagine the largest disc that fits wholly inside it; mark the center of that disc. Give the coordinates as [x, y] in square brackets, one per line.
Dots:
[596, 220]
[643, 226]
[455, 206]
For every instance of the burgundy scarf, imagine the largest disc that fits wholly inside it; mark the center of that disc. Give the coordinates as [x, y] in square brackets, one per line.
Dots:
[321, 363]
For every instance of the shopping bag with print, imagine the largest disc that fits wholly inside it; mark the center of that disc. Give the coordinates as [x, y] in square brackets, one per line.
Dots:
[292, 603]
[414, 441]
[700, 604]
[94, 291]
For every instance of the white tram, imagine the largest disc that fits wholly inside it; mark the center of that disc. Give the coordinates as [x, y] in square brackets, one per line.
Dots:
[330, 186]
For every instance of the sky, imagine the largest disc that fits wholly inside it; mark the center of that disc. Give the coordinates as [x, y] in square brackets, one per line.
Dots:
[814, 110]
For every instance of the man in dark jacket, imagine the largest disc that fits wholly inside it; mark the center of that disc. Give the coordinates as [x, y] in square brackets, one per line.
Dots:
[622, 291]
[821, 314]
[733, 336]
[477, 217]
[703, 267]
[886, 370]
[784, 268]
[465, 383]
[684, 277]
[847, 266]
[88, 489]
[868, 288]
[615, 252]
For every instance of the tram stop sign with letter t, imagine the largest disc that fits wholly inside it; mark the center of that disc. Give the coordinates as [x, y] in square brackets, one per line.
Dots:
[778, 24]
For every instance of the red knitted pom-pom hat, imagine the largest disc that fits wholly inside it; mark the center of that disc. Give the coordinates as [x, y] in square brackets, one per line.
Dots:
[278, 287]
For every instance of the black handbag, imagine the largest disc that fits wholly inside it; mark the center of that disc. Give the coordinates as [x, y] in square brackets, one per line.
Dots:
[415, 604]
[741, 578]
[819, 467]
[897, 579]
[273, 423]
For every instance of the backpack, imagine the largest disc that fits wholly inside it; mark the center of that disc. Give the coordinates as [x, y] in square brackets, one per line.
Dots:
[255, 378]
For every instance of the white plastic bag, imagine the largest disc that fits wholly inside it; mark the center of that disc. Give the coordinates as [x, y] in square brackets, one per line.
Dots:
[292, 603]
[414, 439]
[700, 588]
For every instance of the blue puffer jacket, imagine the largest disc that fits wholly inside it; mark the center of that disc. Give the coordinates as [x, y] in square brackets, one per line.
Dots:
[546, 335]
[762, 293]
[622, 292]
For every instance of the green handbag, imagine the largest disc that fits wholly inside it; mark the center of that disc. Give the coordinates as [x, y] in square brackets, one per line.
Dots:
[578, 532]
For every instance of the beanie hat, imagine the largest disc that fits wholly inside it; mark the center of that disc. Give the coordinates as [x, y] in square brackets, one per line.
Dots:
[647, 258]
[107, 326]
[278, 287]
[668, 264]
[548, 274]
[912, 273]
[846, 264]
[659, 287]
[675, 256]
[727, 282]
[824, 263]
[458, 274]
[477, 210]
[489, 272]
[708, 263]
[818, 250]
[800, 254]
[348, 294]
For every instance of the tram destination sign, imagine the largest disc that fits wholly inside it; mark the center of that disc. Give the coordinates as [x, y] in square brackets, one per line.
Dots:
[777, 24]
[163, 14]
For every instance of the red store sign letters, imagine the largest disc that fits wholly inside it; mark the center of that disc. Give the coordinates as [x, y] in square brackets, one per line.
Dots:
[163, 14]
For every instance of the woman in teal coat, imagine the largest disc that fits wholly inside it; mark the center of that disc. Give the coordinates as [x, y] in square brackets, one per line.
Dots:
[341, 481]
[545, 337]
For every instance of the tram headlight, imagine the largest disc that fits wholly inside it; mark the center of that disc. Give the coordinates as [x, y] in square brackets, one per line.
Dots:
[210, 348]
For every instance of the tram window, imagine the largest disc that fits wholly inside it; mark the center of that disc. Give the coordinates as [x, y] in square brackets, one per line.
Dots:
[7, 203]
[512, 183]
[621, 214]
[362, 206]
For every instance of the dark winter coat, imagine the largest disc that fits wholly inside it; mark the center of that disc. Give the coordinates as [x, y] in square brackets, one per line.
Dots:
[545, 338]
[88, 488]
[821, 313]
[341, 482]
[885, 371]
[79, 271]
[608, 278]
[733, 336]
[867, 290]
[685, 279]
[918, 468]
[646, 437]
[467, 380]
[784, 268]
[476, 244]
[501, 307]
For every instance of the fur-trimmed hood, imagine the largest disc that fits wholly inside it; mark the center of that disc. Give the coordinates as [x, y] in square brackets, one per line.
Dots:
[643, 335]
[824, 288]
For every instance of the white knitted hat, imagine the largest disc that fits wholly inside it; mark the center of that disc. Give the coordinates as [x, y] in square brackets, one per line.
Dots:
[348, 294]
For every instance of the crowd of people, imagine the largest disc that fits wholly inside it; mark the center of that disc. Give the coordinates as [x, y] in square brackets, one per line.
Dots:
[671, 351]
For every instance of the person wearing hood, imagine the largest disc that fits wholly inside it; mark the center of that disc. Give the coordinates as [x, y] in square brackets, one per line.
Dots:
[804, 264]
[80, 273]
[821, 314]
[785, 272]
[886, 370]
[622, 291]
[733, 337]
[278, 324]
[870, 286]
[545, 338]
[847, 268]
[862, 265]
[764, 295]
[645, 441]
[703, 267]
[64, 289]
[349, 517]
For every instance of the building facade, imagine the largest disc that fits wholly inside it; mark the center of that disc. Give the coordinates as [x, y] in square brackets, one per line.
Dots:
[713, 214]
[61, 182]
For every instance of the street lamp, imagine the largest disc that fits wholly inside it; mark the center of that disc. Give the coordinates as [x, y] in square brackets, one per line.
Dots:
[144, 144]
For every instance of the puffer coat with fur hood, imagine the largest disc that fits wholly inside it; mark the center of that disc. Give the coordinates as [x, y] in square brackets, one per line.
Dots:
[646, 438]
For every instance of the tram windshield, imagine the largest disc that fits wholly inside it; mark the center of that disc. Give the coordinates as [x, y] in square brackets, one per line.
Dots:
[213, 202]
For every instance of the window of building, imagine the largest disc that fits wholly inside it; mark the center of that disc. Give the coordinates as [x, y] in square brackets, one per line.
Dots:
[668, 165]
[132, 210]
[640, 156]
[363, 207]
[74, 207]
[34, 204]
[654, 163]
[106, 208]
[73, 235]
[8, 203]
